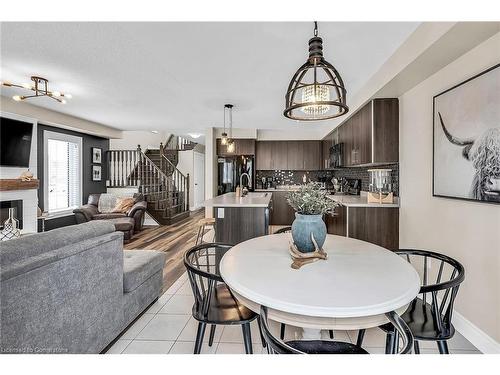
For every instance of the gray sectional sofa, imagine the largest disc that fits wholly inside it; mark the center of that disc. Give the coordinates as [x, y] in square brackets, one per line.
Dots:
[73, 289]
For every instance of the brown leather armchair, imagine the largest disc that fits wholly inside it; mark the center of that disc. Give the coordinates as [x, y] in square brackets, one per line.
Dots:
[129, 222]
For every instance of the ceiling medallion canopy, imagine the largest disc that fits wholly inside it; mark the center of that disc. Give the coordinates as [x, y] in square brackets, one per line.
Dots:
[316, 91]
[229, 140]
[40, 87]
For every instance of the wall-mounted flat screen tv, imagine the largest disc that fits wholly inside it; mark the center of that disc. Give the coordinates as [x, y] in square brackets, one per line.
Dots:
[15, 142]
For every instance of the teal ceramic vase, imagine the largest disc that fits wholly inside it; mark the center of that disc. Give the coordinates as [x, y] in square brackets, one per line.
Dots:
[303, 226]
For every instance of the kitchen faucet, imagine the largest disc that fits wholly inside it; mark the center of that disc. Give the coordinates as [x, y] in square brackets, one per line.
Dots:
[244, 191]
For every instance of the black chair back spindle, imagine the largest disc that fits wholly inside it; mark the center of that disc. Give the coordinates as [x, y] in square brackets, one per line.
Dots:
[278, 346]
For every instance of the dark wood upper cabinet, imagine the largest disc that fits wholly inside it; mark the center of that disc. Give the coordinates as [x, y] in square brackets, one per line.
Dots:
[289, 155]
[241, 147]
[263, 158]
[312, 155]
[245, 146]
[295, 155]
[279, 153]
[371, 135]
[385, 130]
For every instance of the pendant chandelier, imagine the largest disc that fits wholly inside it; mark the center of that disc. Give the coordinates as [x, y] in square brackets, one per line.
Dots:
[229, 140]
[40, 87]
[223, 140]
[316, 91]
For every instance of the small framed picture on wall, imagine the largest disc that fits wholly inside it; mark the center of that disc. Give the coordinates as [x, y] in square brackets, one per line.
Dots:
[96, 173]
[96, 155]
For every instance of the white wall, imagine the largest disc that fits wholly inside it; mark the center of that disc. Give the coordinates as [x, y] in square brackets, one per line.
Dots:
[130, 139]
[186, 165]
[466, 231]
[58, 119]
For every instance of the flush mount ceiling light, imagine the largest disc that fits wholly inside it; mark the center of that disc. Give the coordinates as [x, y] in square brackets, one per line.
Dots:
[316, 91]
[195, 135]
[229, 141]
[40, 87]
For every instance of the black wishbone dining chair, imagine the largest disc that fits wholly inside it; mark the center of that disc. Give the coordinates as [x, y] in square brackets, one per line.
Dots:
[278, 346]
[283, 326]
[214, 303]
[429, 315]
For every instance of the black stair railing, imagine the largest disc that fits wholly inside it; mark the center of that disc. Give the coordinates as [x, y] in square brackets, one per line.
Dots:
[158, 183]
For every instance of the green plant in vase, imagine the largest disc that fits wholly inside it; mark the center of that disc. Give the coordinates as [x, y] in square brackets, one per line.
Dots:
[310, 203]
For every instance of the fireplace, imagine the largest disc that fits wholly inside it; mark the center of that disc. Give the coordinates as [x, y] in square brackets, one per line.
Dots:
[17, 205]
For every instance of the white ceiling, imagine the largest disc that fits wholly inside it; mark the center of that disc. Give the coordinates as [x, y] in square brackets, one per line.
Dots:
[177, 76]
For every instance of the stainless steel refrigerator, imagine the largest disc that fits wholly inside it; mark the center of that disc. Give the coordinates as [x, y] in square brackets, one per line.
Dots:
[230, 170]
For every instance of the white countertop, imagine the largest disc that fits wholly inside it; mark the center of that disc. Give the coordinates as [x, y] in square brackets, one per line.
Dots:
[252, 199]
[358, 278]
[360, 201]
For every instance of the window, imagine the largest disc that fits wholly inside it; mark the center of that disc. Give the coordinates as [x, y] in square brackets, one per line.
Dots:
[62, 172]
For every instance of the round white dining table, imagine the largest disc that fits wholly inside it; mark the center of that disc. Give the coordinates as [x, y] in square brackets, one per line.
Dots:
[352, 289]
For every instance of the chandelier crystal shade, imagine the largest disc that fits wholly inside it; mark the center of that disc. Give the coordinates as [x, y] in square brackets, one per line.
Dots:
[39, 88]
[316, 91]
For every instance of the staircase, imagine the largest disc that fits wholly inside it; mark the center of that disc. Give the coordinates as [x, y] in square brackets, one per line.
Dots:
[154, 173]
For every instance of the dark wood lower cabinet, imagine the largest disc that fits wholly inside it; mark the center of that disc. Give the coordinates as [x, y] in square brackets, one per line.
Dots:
[377, 225]
[337, 223]
[281, 212]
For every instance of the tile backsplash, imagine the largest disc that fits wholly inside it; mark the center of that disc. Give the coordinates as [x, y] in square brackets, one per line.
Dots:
[296, 177]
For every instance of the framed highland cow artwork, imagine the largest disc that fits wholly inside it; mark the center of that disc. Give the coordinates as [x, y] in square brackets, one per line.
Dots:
[466, 137]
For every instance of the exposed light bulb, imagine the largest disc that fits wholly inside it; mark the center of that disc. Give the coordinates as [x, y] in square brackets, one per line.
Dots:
[63, 101]
[223, 140]
[230, 146]
[56, 94]
[17, 98]
[69, 96]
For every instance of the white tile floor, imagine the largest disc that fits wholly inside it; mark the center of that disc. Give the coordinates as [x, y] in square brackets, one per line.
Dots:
[167, 327]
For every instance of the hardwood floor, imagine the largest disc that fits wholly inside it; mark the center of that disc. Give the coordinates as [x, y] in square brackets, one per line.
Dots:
[174, 240]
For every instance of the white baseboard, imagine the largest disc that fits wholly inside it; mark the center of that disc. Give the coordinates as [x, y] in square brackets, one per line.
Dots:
[476, 336]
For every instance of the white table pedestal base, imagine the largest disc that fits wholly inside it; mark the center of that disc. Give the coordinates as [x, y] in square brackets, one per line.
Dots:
[311, 334]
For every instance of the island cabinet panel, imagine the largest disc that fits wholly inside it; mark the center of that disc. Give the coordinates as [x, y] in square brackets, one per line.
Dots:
[237, 224]
[281, 212]
[337, 223]
[378, 225]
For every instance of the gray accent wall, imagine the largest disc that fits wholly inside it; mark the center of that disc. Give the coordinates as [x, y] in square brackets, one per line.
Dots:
[89, 186]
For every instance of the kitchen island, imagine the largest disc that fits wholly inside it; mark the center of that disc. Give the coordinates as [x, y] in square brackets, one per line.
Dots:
[238, 219]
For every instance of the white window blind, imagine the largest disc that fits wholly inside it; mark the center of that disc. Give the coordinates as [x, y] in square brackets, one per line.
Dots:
[62, 172]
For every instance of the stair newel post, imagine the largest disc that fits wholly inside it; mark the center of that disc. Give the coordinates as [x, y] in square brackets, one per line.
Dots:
[161, 156]
[187, 195]
[140, 168]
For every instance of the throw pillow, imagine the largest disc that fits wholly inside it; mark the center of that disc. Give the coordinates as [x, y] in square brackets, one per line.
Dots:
[107, 203]
[123, 205]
